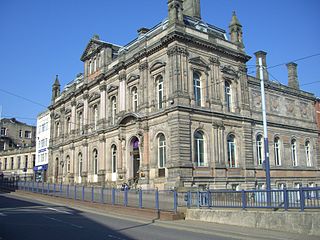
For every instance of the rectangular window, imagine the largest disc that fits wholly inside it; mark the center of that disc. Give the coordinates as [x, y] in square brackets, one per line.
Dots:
[3, 131]
[20, 133]
[26, 161]
[12, 162]
[27, 134]
[5, 164]
[19, 162]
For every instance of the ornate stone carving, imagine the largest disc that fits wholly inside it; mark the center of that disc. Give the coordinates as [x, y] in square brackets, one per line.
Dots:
[177, 50]
[214, 60]
[229, 70]
[304, 109]
[290, 106]
[143, 66]
[274, 104]
[85, 95]
[256, 98]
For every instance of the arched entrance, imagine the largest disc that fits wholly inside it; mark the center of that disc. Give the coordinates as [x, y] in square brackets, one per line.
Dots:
[135, 156]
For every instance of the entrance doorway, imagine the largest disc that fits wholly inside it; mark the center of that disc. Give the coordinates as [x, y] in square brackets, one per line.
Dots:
[135, 158]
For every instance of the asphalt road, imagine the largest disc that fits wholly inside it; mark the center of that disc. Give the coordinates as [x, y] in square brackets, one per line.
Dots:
[22, 218]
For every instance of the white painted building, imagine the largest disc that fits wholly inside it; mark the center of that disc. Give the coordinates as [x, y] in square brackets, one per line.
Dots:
[42, 144]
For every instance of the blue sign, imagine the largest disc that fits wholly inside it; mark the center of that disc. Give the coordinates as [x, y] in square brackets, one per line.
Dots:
[41, 167]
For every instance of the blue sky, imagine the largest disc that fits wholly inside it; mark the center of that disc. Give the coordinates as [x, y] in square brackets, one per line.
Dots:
[39, 39]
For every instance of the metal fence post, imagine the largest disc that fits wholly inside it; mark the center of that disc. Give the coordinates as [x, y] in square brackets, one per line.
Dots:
[209, 198]
[302, 199]
[42, 188]
[285, 199]
[48, 188]
[68, 189]
[189, 199]
[140, 198]
[60, 189]
[198, 199]
[75, 192]
[175, 201]
[37, 187]
[82, 193]
[113, 197]
[92, 194]
[244, 199]
[101, 197]
[54, 189]
[32, 186]
[125, 198]
[157, 198]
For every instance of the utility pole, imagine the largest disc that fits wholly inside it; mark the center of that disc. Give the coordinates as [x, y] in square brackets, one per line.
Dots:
[265, 134]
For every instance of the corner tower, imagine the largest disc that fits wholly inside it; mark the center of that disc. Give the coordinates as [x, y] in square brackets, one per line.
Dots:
[55, 89]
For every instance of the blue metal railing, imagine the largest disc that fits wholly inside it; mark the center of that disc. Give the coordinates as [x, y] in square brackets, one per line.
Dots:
[171, 200]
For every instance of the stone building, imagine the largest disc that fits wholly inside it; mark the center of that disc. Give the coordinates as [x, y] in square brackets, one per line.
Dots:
[18, 163]
[15, 134]
[176, 108]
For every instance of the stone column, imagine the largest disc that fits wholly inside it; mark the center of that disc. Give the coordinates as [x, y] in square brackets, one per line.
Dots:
[143, 100]
[85, 160]
[72, 163]
[215, 82]
[85, 111]
[103, 104]
[101, 160]
[73, 116]
[122, 91]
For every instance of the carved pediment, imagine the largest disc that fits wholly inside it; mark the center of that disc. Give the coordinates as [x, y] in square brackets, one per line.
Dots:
[229, 71]
[129, 118]
[157, 65]
[112, 88]
[94, 96]
[199, 61]
[80, 104]
[133, 77]
[93, 46]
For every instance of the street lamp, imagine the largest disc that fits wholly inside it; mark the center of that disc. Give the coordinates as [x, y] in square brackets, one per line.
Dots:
[265, 133]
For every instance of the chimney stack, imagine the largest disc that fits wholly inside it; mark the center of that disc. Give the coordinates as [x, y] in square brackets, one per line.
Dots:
[262, 55]
[293, 81]
[191, 8]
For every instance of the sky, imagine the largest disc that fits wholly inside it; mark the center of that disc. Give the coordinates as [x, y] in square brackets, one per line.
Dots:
[40, 39]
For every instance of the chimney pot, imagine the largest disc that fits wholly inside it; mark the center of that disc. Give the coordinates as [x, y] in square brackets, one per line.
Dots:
[293, 81]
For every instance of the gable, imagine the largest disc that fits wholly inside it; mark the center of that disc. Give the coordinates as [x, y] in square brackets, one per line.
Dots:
[93, 46]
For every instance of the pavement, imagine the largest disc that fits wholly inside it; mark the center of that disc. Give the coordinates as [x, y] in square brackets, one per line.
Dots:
[147, 217]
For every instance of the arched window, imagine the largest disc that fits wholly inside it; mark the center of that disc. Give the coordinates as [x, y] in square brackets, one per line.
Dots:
[68, 163]
[277, 156]
[79, 164]
[259, 146]
[114, 158]
[134, 99]
[199, 149]
[308, 153]
[231, 145]
[197, 88]
[294, 152]
[95, 117]
[95, 161]
[160, 91]
[113, 109]
[228, 95]
[161, 150]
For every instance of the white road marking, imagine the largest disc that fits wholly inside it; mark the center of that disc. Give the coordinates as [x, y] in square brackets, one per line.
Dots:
[60, 211]
[2, 215]
[60, 221]
[115, 237]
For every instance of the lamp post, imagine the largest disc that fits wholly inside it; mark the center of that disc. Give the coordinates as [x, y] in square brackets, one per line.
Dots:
[265, 134]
